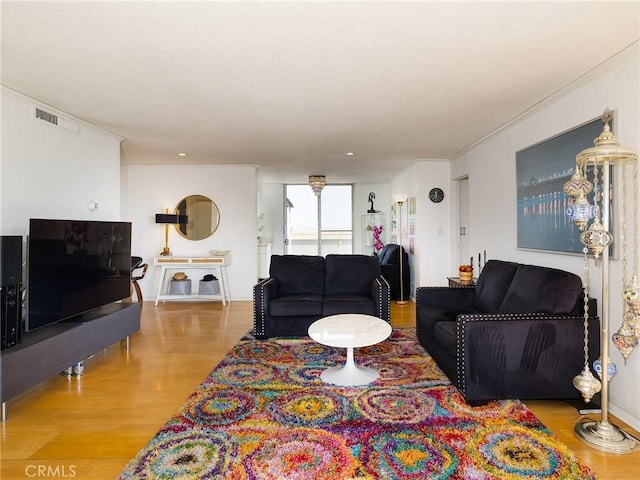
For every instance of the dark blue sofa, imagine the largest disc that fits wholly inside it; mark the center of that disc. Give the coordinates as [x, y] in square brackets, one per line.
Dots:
[303, 288]
[518, 333]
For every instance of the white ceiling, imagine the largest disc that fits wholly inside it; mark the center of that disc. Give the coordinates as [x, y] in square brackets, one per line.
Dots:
[293, 86]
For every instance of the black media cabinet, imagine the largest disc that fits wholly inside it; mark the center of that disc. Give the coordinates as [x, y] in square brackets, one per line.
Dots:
[50, 350]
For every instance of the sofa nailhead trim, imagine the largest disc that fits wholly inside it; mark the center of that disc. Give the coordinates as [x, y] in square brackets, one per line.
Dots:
[460, 367]
[381, 312]
[258, 323]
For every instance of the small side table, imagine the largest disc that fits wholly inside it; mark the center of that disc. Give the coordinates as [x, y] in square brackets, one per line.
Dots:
[455, 282]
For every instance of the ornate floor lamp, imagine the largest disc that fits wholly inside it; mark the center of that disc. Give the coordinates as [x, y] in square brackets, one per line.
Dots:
[601, 161]
[400, 199]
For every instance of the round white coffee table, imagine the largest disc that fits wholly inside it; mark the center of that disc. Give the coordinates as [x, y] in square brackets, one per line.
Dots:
[349, 330]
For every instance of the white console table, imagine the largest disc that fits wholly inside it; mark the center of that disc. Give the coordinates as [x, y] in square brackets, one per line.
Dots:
[214, 263]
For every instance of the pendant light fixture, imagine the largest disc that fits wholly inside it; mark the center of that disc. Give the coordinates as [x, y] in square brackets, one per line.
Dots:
[317, 183]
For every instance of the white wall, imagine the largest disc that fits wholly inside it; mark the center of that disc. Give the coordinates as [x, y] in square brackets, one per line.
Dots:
[431, 263]
[492, 191]
[149, 189]
[50, 172]
[271, 204]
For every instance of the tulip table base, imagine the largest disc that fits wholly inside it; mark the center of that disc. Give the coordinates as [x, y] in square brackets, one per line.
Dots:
[349, 374]
[349, 331]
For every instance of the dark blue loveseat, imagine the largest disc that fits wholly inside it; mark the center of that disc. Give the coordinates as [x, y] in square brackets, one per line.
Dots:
[301, 289]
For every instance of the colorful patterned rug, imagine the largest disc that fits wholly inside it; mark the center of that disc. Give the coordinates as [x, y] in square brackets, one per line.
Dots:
[264, 413]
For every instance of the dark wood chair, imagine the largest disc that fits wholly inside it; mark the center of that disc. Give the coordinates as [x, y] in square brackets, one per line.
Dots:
[136, 264]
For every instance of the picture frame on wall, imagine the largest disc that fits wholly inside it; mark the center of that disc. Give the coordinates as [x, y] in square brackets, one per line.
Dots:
[394, 225]
[412, 206]
[412, 236]
[541, 172]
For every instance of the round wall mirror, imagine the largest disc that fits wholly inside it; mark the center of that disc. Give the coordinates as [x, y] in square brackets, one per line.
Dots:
[202, 214]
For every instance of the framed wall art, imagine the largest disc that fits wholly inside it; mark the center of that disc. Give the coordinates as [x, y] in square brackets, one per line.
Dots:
[541, 172]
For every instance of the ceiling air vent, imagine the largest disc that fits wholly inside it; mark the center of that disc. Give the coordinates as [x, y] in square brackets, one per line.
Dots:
[56, 120]
[46, 116]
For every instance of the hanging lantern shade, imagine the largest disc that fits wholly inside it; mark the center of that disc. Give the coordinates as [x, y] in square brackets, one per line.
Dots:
[587, 384]
[577, 184]
[581, 211]
[631, 295]
[596, 238]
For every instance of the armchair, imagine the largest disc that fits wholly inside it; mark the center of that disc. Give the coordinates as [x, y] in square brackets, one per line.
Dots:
[389, 258]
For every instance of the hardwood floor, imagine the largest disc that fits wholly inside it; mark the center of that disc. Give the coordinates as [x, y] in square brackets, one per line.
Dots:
[89, 427]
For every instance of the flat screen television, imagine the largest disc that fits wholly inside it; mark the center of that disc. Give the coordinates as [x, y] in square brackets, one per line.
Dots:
[74, 266]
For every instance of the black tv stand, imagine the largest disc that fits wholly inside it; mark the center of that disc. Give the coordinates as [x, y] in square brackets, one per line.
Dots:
[50, 350]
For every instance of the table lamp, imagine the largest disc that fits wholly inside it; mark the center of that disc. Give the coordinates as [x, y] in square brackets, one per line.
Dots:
[169, 219]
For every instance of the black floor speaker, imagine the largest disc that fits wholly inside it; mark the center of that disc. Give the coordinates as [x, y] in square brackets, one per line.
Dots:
[10, 260]
[10, 290]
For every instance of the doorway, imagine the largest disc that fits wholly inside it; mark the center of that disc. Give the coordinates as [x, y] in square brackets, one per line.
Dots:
[464, 234]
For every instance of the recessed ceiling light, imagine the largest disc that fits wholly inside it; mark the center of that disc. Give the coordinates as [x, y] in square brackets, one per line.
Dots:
[182, 154]
[350, 154]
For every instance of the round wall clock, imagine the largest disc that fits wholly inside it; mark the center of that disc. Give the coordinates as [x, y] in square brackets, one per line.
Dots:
[436, 195]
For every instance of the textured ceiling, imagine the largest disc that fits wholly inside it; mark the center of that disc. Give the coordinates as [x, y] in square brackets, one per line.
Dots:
[293, 86]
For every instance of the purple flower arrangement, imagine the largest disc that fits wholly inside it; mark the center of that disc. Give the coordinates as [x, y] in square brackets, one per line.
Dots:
[377, 242]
